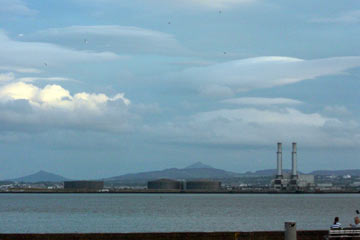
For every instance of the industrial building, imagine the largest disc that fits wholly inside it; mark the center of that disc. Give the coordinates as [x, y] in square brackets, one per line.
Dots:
[165, 184]
[292, 181]
[84, 185]
[203, 185]
[169, 184]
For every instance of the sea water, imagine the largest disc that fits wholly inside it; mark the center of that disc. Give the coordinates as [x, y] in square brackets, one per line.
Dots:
[59, 213]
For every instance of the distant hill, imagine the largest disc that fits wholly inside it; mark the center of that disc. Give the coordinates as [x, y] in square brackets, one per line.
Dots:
[352, 172]
[194, 171]
[198, 165]
[40, 176]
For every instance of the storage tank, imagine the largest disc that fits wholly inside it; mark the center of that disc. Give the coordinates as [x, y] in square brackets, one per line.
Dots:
[164, 184]
[84, 185]
[203, 185]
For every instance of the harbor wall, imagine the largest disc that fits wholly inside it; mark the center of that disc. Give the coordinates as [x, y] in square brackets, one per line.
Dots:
[268, 235]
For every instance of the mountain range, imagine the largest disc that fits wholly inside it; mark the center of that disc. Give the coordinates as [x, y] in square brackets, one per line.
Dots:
[194, 171]
[197, 170]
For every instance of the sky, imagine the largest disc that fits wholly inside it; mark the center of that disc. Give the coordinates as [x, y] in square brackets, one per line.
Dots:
[99, 88]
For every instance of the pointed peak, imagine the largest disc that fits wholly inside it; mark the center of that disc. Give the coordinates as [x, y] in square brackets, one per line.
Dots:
[198, 165]
[40, 176]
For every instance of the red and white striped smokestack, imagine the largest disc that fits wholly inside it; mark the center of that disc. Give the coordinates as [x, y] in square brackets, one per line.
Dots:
[293, 158]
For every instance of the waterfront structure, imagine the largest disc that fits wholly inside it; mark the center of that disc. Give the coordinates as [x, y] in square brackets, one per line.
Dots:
[292, 181]
[84, 185]
[170, 184]
[203, 185]
[165, 184]
[324, 186]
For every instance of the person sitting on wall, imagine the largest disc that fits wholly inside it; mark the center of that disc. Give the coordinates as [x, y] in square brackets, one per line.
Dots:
[357, 222]
[336, 224]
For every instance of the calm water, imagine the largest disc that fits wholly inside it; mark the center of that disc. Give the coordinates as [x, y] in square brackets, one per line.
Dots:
[23, 213]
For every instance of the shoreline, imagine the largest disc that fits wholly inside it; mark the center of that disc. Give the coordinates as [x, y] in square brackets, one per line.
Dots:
[258, 235]
[38, 191]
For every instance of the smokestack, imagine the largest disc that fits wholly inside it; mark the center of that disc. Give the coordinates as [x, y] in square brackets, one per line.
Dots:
[279, 159]
[293, 158]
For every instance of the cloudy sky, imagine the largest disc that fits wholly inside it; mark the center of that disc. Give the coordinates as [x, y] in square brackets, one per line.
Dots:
[99, 88]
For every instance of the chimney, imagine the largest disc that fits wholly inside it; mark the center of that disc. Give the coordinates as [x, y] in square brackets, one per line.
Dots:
[279, 159]
[293, 158]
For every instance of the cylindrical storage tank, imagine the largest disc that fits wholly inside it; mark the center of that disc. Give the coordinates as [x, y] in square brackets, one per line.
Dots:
[164, 184]
[203, 185]
[84, 185]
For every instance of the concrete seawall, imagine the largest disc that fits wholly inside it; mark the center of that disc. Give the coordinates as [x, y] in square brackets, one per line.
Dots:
[274, 235]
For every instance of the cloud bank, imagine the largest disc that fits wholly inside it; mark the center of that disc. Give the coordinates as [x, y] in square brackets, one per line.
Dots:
[26, 107]
[260, 127]
[121, 39]
[264, 72]
[15, 7]
[261, 101]
[195, 4]
[216, 4]
[28, 56]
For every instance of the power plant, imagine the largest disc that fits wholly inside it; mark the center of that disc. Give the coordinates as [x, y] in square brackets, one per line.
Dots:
[292, 181]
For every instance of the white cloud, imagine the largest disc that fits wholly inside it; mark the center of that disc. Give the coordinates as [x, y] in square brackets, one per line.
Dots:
[57, 97]
[252, 115]
[217, 4]
[26, 106]
[12, 53]
[264, 72]
[10, 77]
[193, 63]
[217, 91]
[252, 126]
[5, 77]
[194, 4]
[50, 79]
[15, 7]
[347, 17]
[20, 69]
[337, 110]
[261, 101]
[121, 39]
